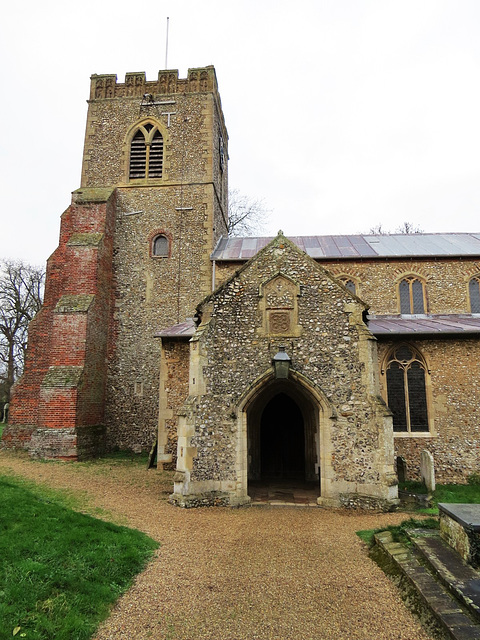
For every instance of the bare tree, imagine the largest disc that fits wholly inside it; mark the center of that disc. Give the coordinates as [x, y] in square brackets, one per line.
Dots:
[378, 230]
[246, 216]
[406, 228]
[21, 289]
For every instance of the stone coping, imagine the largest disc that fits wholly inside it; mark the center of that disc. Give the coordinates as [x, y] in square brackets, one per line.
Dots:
[468, 515]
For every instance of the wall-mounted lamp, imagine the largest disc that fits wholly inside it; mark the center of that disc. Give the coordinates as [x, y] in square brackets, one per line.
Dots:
[281, 363]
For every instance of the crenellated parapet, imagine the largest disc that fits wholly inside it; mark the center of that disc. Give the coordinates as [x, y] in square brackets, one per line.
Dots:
[198, 80]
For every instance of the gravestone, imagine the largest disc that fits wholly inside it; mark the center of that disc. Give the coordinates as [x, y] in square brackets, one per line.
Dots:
[427, 470]
[401, 469]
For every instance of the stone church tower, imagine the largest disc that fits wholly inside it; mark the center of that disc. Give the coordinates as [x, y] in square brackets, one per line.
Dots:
[133, 256]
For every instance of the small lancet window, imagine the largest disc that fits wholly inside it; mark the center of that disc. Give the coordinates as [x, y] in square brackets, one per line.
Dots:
[160, 248]
[474, 294]
[412, 296]
[406, 390]
[146, 153]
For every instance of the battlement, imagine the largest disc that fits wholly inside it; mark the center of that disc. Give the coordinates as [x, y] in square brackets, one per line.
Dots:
[198, 80]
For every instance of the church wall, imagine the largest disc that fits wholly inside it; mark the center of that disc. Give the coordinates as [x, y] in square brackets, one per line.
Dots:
[150, 293]
[445, 281]
[454, 442]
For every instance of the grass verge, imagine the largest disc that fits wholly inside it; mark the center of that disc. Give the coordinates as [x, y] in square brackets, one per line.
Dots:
[453, 493]
[61, 570]
[398, 531]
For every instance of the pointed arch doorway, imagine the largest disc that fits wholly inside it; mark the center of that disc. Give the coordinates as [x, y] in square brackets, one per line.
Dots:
[283, 438]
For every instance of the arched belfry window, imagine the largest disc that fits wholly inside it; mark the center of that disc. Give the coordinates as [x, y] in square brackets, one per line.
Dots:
[412, 295]
[160, 246]
[474, 294]
[146, 153]
[407, 390]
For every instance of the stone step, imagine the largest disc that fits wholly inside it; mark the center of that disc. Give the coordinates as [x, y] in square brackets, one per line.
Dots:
[450, 615]
[462, 580]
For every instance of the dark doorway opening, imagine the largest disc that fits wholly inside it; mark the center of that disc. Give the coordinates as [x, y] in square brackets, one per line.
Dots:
[282, 440]
[283, 445]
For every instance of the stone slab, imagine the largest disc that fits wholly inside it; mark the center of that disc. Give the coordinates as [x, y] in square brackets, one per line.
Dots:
[460, 578]
[468, 515]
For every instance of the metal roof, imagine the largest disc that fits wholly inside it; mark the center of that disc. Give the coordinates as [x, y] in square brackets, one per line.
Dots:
[183, 330]
[380, 326]
[359, 246]
[457, 324]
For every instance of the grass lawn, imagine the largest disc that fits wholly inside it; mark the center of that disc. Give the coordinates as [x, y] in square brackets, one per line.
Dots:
[60, 571]
[458, 493]
[452, 493]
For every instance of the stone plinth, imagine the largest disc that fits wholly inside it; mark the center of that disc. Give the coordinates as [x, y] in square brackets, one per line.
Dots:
[460, 528]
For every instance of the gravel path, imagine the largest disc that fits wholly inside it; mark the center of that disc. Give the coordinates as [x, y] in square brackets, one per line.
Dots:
[237, 574]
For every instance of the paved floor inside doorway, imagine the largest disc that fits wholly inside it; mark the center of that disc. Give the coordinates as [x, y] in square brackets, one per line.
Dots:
[286, 492]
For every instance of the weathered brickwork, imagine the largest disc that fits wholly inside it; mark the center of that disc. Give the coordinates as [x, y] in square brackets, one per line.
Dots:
[63, 387]
[333, 355]
[106, 294]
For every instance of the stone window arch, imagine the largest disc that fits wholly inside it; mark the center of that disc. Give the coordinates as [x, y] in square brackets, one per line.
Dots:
[145, 152]
[407, 389]
[474, 294]
[412, 296]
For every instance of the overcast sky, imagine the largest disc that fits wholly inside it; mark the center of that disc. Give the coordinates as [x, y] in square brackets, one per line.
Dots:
[342, 114]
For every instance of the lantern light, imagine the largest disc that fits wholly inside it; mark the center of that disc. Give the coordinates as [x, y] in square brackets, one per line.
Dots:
[281, 363]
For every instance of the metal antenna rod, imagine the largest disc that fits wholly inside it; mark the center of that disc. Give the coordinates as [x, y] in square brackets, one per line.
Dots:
[166, 46]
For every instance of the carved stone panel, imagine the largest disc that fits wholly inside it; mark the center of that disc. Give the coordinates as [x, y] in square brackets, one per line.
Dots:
[278, 304]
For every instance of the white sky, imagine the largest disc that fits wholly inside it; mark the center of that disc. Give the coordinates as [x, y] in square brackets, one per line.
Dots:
[341, 113]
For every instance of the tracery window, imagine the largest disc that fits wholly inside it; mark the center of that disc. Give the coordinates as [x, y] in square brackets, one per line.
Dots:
[349, 284]
[412, 296]
[474, 294]
[160, 246]
[146, 153]
[406, 390]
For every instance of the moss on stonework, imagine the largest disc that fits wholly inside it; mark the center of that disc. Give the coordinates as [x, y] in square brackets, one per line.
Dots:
[85, 239]
[74, 303]
[82, 196]
[66, 377]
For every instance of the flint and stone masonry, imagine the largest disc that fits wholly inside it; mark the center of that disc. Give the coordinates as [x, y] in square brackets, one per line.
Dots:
[156, 327]
[282, 298]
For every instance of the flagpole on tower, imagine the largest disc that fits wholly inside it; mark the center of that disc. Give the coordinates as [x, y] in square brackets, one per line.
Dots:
[166, 45]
